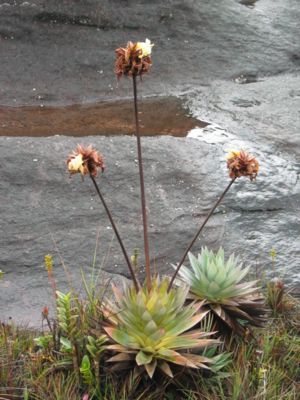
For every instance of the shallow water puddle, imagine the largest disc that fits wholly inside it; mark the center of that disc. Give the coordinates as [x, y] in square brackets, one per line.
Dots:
[159, 116]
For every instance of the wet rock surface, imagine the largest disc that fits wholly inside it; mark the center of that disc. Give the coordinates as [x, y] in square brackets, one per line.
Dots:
[235, 64]
[63, 53]
[45, 211]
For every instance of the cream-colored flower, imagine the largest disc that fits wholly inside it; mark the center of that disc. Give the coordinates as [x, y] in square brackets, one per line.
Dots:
[76, 164]
[145, 47]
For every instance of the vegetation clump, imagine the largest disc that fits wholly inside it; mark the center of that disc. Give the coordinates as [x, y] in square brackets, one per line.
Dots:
[153, 330]
[235, 304]
[77, 364]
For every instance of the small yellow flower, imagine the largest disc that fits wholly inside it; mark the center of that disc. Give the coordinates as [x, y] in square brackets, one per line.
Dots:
[1, 274]
[145, 47]
[233, 153]
[76, 164]
[48, 262]
[262, 373]
[134, 258]
[273, 254]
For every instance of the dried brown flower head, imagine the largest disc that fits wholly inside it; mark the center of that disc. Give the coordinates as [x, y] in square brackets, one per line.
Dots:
[278, 283]
[45, 312]
[134, 59]
[85, 160]
[240, 163]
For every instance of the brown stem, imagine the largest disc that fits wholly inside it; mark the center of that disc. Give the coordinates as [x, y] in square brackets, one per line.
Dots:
[135, 281]
[52, 282]
[199, 231]
[48, 323]
[142, 185]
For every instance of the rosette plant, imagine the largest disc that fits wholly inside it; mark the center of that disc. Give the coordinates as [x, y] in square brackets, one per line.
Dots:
[150, 325]
[218, 283]
[151, 330]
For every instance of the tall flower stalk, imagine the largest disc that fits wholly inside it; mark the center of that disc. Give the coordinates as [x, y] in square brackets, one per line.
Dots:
[239, 163]
[134, 61]
[87, 161]
[142, 185]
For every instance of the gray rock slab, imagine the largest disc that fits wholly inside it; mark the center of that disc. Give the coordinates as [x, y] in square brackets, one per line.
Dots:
[62, 52]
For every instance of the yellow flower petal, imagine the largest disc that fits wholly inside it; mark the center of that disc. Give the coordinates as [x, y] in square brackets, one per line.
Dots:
[145, 47]
[76, 164]
[233, 153]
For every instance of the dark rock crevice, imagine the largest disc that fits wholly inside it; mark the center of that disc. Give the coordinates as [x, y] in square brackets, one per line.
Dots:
[257, 210]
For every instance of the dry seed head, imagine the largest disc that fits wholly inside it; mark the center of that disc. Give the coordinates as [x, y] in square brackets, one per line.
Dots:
[240, 163]
[45, 312]
[85, 160]
[134, 59]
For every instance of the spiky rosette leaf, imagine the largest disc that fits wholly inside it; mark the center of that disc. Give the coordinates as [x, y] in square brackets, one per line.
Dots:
[219, 284]
[151, 329]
